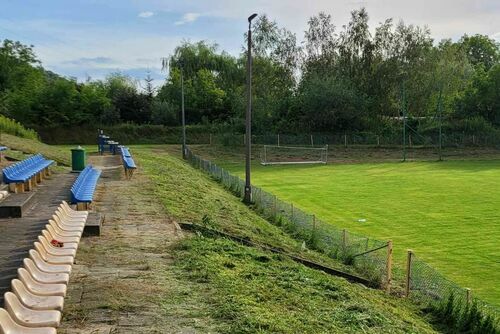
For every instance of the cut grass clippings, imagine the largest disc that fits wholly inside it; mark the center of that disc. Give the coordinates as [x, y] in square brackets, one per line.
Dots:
[252, 291]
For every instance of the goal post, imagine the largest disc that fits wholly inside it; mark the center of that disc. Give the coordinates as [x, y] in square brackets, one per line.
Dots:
[286, 155]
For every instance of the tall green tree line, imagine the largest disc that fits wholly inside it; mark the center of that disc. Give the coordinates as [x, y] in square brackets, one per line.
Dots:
[340, 78]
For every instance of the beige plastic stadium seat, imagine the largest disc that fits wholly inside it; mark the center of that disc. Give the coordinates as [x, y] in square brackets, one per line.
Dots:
[63, 222]
[73, 212]
[56, 250]
[41, 289]
[33, 301]
[64, 227]
[69, 242]
[48, 267]
[68, 219]
[52, 259]
[70, 214]
[9, 326]
[56, 230]
[67, 222]
[30, 318]
[44, 277]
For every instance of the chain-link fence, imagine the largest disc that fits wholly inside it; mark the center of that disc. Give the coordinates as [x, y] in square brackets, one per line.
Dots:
[368, 256]
[411, 140]
[428, 287]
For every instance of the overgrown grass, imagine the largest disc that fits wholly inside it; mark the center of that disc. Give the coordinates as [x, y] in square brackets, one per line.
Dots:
[457, 317]
[253, 291]
[14, 128]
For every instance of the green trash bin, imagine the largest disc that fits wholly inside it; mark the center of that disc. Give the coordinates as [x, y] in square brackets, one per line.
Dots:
[78, 159]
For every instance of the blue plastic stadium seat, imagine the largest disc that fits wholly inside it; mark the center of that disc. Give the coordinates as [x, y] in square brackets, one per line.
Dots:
[126, 152]
[83, 189]
[128, 162]
[24, 170]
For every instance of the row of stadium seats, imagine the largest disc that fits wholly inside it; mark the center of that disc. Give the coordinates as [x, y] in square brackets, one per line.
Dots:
[34, 306]
[128, 162]
[25, 174]
[82, 191]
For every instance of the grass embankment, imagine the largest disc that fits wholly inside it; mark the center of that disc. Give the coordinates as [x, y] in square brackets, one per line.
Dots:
[447, 212]
[15, 128]
[33, 146]
[253, 291]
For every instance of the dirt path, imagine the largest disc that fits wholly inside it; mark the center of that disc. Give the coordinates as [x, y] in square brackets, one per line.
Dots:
[121, 277]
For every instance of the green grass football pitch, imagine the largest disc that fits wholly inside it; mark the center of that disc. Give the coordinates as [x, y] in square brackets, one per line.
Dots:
[447, 212]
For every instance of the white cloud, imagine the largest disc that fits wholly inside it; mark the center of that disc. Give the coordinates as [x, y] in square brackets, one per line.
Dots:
[188, 18]
[145, 15]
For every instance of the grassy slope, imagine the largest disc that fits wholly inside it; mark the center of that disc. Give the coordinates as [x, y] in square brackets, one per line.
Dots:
[31, 146]
[254, 291]
[446, 212]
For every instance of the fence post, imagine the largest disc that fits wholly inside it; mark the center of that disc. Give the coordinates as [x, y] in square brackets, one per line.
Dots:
[274, 206]
[312, 141]
[408, 273]
[409, 140]
[278, 139]
[344, 239]
[314, 225]
[468, 293]
[210, 139]
[345, 140]
[378, 140]
[389, 267]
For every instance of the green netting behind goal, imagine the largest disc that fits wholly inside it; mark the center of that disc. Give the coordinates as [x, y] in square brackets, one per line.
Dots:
[280, 155]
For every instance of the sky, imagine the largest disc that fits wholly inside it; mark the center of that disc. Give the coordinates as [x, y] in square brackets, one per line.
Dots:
[93, 38]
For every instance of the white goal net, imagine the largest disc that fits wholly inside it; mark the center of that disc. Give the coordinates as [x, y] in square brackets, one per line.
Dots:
[282, 155]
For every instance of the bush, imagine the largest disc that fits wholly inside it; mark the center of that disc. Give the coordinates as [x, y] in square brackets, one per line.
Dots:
[164, 113]
[14, 128]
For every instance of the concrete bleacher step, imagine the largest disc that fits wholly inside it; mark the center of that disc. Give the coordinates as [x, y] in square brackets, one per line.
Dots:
[15, 205]
[93, 224]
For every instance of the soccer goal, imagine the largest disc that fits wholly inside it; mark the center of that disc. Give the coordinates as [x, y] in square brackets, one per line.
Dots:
[283, 155]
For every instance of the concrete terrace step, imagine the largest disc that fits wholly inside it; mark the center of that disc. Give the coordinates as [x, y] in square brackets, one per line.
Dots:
[17, 235]
[16, 204]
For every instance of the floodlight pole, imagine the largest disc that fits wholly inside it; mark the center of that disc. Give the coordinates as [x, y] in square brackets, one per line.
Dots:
[184, 155]
[403, 110]
[248, 186]
[440, 110]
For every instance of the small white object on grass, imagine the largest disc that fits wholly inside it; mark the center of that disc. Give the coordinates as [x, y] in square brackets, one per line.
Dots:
[362, 220]
[304, 245]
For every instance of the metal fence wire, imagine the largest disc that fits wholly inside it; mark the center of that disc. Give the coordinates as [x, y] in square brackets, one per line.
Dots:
[427, 286]
[412, 139]
[367, 255]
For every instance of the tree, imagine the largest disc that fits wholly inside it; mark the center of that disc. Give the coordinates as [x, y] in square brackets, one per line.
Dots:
[164, 113]
[480, 50]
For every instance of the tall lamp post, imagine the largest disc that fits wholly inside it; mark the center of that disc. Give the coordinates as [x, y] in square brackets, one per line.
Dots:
[248, 186]
[184, 155]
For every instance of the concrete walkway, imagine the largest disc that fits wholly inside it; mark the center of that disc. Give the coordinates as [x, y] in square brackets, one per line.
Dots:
[17, 235]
